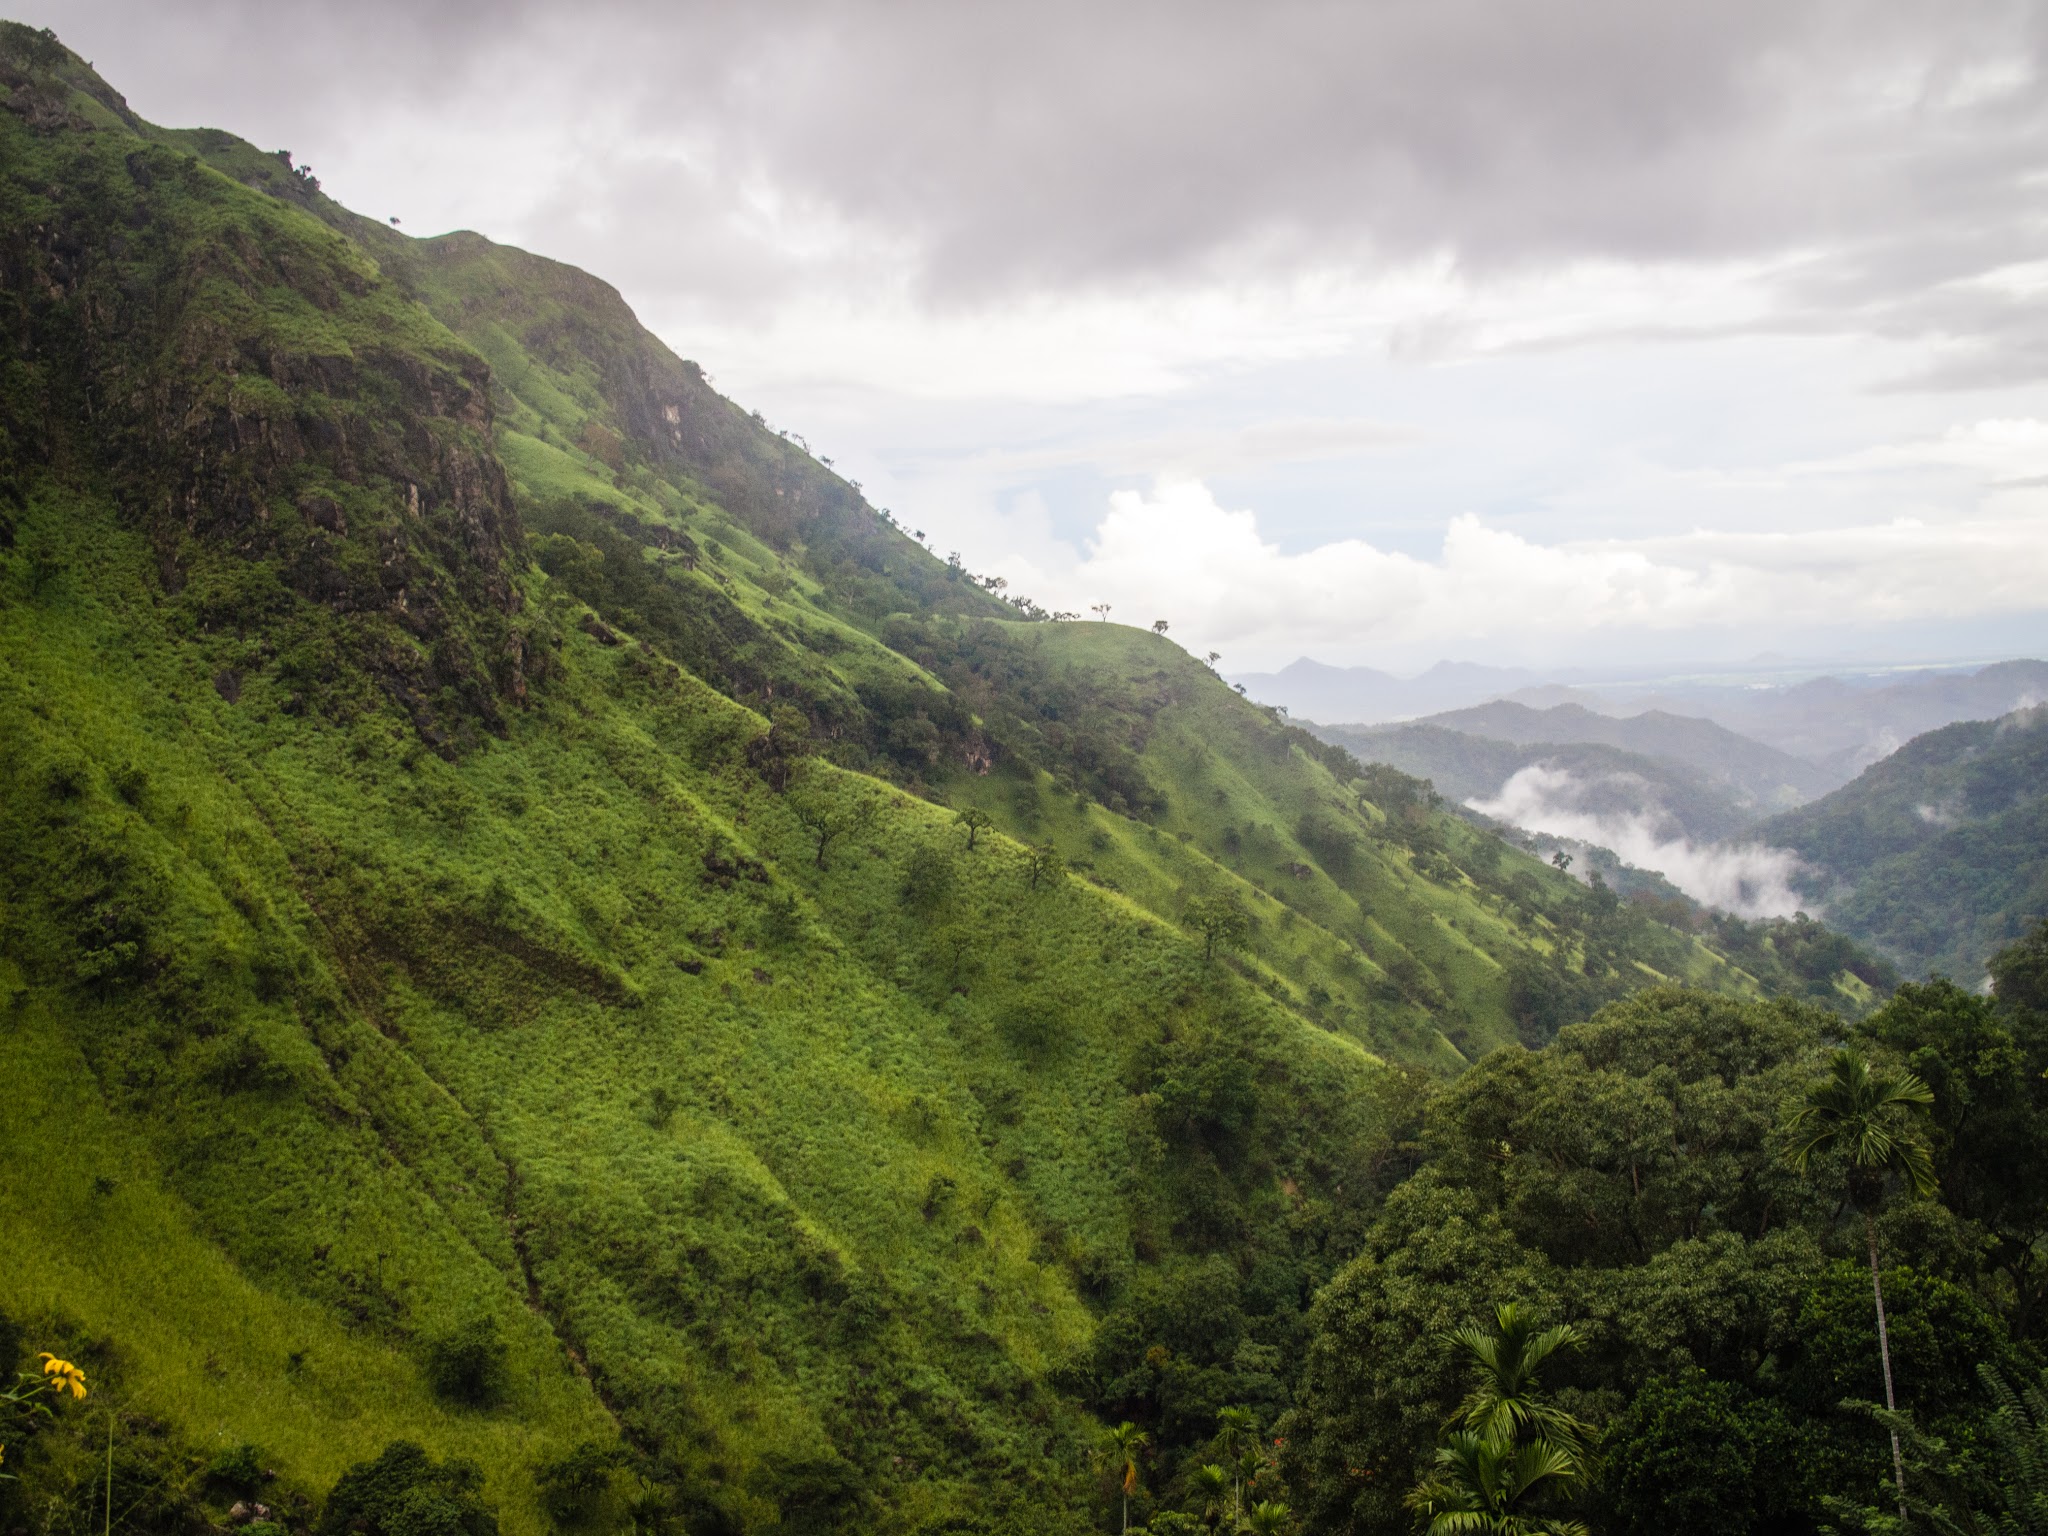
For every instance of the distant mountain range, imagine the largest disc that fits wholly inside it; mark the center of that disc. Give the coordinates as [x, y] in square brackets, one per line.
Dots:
[1843, 724]
[1839, 724]
[1691, 778]
[1752, 773]
[1317, 691]
[1606, 780]
[1938, 855]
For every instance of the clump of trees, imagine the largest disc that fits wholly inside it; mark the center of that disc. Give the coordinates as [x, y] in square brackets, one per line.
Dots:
[1786, 1250]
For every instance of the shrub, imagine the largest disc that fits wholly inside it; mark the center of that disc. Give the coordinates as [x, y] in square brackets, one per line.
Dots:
[239, 1468]
[405, 1492]
[467, 1365]
[1699, 1455]
[572, 1486]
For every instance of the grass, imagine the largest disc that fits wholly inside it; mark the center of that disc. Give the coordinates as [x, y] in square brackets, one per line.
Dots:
[841, 1111]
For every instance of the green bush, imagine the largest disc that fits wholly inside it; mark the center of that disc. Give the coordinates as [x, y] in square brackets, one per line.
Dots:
[573, 1487]
[467, 1365]
[239, 1468]
[1696, 1454]
[405, 1492]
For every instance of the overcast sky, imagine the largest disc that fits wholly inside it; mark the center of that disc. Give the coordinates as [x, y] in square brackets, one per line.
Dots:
[1536, 331]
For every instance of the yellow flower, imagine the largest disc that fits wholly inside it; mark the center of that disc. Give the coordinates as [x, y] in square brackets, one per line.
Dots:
[63, 1375]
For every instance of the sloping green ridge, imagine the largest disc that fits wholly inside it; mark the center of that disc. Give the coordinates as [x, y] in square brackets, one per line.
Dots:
[409, 1040]
[1934, 855]
[398, 935]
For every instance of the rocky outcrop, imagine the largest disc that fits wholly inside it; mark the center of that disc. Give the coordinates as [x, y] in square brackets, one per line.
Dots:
[250, 384]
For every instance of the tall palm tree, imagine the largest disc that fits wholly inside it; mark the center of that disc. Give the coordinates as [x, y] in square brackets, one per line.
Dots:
[1868, 1117]
[1119, 1450]
[1506, 1401]
[1211, 1484]
[1510, 1450]
[1482, 1486]
[1238, 1429]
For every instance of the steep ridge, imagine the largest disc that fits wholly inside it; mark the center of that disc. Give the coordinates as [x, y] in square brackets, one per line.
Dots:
[489, 947]
[1935, 854]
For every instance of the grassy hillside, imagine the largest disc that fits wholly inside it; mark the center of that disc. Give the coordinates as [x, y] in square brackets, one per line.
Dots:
[496, 945]
[1937, 855]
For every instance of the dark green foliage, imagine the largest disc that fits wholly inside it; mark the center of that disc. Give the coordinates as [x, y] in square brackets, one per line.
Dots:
[2019, 976]
[1627, 1177]
[1696, 1454]
[573, 1487]
[239, 1468]
[2007, 1490]
[1984, 1061]
[466, 1365]
[1940, 1334]
[1634, 1178]
[1935, 854]
[815, 1495]
[405, 1492]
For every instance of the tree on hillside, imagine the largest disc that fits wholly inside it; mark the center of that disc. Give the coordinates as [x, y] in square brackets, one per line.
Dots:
[1100, 610]
[1159, 626]
[1045, 864]
[1237, 1429]
[1211, 1487]
[1219, 920]
[828, 816]
[1119, 1450]
[1512, 1454]
[404, 1492]
[778, 752]
[1870, 1120]
[1503, 1364]
[976, 822]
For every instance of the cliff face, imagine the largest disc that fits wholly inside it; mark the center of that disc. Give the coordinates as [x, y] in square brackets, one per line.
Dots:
[249, 386]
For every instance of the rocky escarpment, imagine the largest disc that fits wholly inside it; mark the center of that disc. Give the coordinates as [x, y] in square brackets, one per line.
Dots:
[286, 424]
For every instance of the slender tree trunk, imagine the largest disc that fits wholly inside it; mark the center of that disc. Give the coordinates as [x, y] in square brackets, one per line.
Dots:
[1884, 1351]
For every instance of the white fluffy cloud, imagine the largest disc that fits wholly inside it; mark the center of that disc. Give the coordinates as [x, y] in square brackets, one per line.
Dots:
[1750, 879]
[1211, 570]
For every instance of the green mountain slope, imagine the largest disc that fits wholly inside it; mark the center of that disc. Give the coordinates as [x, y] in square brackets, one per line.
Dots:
[1938, 854]
[489, 948]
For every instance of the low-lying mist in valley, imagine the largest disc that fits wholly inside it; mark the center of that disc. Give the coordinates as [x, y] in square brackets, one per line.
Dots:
[1751, 880]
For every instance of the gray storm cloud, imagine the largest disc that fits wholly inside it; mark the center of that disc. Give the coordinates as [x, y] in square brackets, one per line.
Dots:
[1883, 155]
